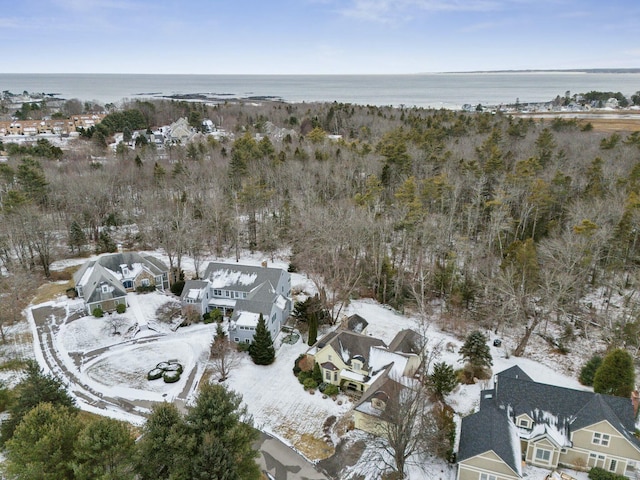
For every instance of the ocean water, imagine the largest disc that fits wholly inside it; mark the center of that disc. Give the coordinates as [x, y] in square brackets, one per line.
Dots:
[438, 90]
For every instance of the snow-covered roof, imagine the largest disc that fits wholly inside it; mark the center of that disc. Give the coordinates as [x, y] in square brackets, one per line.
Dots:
[222, 302]
[349, 375]
[247, 319]
[380, 357]
[226, 278]
[194, 293]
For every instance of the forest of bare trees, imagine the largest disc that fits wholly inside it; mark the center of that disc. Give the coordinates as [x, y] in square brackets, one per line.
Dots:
[490, 220]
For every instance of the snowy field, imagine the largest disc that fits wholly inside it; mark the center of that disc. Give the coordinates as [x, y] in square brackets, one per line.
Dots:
[107, 372]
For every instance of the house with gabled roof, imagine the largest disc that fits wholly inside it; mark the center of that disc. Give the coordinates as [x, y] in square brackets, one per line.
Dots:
[353, 361]
[103, 283]
[242, 293]
[555, 426]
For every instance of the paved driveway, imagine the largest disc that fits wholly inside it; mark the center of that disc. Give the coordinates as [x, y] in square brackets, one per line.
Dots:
[283, 463]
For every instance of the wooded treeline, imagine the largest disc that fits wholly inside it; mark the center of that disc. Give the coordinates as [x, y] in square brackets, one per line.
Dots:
[490, 219]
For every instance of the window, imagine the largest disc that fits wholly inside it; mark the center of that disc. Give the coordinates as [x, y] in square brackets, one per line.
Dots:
[273, 318]
[330, 358]
[247, 341]
[486, 476]
[612, 465]
[244, 294]
[356, 365]
[236, 339]
[105, 288]
[226, 293]
[327, 375]
[145, 282]
[217, 293]
[335, 376]
[601, 439]
[523, 422]
[543, 455]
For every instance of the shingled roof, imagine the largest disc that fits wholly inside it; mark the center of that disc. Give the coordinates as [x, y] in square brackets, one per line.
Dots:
[349, 344]
[490, 429]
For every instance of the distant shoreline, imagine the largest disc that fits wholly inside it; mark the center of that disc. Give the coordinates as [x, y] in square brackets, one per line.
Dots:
[568, 70]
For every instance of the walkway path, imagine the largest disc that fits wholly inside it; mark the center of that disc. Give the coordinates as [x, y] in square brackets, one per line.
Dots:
[134, 308]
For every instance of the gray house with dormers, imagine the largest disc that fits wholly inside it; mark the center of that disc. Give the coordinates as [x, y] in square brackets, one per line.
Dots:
[523, 421]
[242, 293]
[103, 283]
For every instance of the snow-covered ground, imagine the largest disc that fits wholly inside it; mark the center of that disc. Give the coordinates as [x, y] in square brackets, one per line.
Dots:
[107, 372]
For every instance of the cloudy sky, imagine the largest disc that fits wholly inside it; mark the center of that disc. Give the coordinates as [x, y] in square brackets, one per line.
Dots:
[316, 36]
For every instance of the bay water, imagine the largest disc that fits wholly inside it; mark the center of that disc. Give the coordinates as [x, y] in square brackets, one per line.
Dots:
[437, 90]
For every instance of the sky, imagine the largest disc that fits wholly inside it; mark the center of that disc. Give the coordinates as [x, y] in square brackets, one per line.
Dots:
[316, 36]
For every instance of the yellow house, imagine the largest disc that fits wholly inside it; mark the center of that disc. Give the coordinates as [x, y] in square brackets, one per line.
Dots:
[555, 427]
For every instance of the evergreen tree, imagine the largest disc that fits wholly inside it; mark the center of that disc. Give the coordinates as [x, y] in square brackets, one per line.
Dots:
[159, 445]
[105, 243]
[104, 450]
[588, 371]
[77, 238]
[442, 380]
[475, 350]
[34, 389]
[42, 444]
[616, 375]
[261, 349]
[218, 438]
[313, 329]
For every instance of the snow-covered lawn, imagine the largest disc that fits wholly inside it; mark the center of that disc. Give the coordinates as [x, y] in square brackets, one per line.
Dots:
[115, 366]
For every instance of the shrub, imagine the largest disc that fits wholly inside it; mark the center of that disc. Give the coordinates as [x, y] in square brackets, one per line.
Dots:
[154, 374]
[97, 312]
[469, 373]
[331, 390]
[176, 287]
[145, 288]
[171, 376]
[303, 376]
[310, 383]
[121, 308]
[296, 365]
[588, 371]
[597, 473]
[317, 373]
[243, 347]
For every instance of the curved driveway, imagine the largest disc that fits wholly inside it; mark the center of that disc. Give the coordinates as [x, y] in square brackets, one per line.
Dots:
[276, 458]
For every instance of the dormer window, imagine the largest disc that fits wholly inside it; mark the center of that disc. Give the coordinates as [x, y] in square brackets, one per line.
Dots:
[105, 288]
[524, 423]
[356, 365]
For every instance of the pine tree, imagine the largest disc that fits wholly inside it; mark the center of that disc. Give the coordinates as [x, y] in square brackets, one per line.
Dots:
[588, 371]
[442, 380]
[35, 388]
[261, 349]
[104, 449]
[616, 375]
[159, 442]
[43, 443]
[77, 238]
[475, 350]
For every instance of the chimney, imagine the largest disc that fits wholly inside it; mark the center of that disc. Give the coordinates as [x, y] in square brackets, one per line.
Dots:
[635, 401]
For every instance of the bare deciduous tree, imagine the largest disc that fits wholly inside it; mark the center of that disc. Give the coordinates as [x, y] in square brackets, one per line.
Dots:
[224, 355]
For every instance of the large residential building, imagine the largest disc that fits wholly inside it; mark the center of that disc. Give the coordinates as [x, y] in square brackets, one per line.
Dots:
[242, 293]
[103, 283]
[523, 421]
